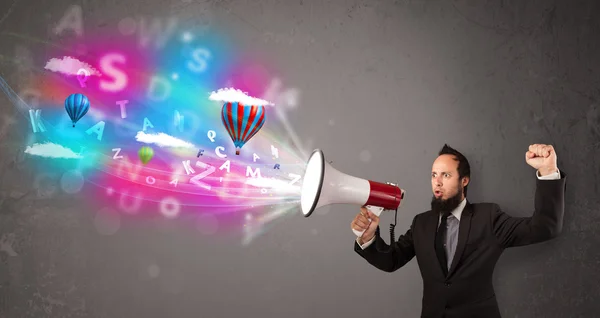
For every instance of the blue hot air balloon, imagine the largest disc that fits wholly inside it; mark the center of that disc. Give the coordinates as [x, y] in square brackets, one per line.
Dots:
[76, 105]
[242, 122]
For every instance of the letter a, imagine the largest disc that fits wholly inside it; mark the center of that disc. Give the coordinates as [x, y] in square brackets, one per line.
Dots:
[226, 165]
[98, 129]
[71, 20]
[147, 123]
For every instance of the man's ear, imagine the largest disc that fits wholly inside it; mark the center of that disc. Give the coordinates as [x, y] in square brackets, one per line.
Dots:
[465, 181]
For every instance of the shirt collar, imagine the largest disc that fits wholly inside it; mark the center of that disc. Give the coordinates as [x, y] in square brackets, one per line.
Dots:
[457, 212]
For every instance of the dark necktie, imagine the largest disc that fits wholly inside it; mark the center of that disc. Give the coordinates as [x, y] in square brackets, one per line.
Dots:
[440, 239]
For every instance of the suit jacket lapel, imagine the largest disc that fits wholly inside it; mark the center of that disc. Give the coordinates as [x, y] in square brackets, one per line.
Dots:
[463, 235]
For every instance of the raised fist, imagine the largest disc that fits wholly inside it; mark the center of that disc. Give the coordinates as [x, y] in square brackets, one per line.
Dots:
[542, 158]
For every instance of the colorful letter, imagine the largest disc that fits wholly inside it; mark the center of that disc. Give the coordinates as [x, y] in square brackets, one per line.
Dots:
[98, 129]
[107, 67]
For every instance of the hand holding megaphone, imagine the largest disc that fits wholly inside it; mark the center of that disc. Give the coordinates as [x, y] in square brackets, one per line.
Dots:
[366, 222]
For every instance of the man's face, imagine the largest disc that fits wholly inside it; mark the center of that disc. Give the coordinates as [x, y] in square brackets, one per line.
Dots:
[445, 183]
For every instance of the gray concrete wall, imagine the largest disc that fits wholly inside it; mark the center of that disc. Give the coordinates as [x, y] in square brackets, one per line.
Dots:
[382, 86]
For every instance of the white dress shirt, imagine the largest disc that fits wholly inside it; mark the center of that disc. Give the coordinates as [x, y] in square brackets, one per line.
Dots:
[458, 210]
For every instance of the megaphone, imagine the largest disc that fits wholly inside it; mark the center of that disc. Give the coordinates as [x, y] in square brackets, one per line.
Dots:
[324, 185]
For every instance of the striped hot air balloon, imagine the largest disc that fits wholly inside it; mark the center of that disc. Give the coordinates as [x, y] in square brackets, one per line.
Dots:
[76, 105]
[145, 153]
[242, 122]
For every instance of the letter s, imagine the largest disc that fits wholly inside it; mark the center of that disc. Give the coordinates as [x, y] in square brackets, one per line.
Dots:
[107, 67]
[200, 56]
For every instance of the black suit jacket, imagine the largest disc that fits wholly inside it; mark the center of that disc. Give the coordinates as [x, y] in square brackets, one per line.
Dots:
[484, 232]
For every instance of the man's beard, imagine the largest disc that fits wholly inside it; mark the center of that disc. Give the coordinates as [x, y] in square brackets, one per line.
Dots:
[441, 205]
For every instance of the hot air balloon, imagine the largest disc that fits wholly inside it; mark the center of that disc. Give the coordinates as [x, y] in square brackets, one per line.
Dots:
[76, 105]
[242, 122]
[145, 153]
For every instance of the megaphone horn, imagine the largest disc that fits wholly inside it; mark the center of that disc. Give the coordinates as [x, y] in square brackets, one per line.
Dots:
[324, 185]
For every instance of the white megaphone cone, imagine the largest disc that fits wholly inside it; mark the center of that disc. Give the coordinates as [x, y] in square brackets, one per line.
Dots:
[324, 185]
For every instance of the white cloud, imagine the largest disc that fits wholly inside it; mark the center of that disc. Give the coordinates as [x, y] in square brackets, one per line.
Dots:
[70, 66]
[51, 150]
[162, 140]
[235, 95]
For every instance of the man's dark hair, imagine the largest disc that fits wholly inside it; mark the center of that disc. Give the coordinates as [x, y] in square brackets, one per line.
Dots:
[464, 169]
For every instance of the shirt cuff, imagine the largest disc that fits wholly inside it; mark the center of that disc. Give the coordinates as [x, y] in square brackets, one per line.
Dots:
[552, 176]
[366, 243]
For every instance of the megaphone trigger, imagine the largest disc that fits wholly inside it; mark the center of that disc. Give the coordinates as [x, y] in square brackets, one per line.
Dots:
[375, 209]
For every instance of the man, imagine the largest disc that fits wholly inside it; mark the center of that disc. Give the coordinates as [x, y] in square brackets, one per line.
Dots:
[457, 243]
